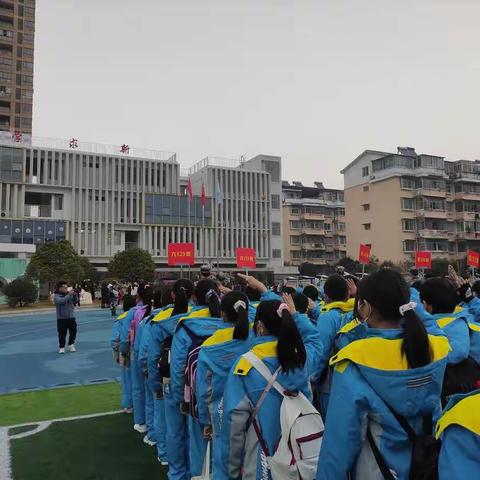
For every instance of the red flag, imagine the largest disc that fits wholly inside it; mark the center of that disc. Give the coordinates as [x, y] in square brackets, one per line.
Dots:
[204, 198]
[189, 190]
[473, 259]
[364, 254]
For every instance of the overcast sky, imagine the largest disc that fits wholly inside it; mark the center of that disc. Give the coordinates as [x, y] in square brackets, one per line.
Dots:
[315, 82]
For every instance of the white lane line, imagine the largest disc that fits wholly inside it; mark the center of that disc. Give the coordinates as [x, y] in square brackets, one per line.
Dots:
[40, 428]
[5, 465]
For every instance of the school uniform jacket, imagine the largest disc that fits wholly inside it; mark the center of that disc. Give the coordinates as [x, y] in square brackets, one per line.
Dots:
[367, 373]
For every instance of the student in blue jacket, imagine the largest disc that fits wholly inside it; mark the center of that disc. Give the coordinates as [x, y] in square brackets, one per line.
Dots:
[279, 344]
[170, 422]
[125, 378]
[217, 355]
[401, 366]
[130, 338]
[459, 430]
[311, 292]
[194, 328]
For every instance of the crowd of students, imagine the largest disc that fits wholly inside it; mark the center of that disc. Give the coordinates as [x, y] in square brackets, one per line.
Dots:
[392, 369]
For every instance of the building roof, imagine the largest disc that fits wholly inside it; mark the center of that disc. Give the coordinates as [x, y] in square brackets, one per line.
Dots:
[353, 162]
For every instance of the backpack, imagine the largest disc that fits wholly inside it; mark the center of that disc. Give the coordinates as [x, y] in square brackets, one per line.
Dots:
[296, 455]
[190, 407]
[425, 449]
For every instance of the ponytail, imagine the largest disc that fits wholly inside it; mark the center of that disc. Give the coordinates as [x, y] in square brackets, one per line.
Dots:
[279, 322]
[235, 308]
[415, 345]
[207, 293]
[182, 290]
[290, 350]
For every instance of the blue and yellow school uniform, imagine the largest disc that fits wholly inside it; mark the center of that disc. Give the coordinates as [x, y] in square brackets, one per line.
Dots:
[201, 324]
[459, 430]
[455, 327]
[217, 355]
[242, 391]
[167, 411]
[367, 373]
[125, 378]
[241, 453]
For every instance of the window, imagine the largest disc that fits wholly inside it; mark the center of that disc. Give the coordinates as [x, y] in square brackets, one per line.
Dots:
[366, 188]
[28, 52]
[26, 123]
[27, 80]
[367, 226]
[276, 253]
[11, 164]
[294, 210]
[29, 12]
[5, 77]
[328, 227]
[58, 202]
[28, 25]
[5, 91]
[275, 228]
[407, 183]
[27, 38]
[5, 61]
[365, 171]
[27, 66]
[409, 245]
[276, 202]
[407, 204]
[295, 224]
[408, 225]
[6, 33]
[26, 108]
[295, 240]
[366, 207]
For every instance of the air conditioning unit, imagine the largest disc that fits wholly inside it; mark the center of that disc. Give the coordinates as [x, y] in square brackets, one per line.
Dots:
[372, 177]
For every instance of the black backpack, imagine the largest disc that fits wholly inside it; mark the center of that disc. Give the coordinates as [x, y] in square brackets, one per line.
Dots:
[425, 450]
[164, 360]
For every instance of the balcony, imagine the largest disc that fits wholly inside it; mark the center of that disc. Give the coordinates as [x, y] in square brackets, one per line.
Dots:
[38, 211]
[5, 111]
[431, 192]
[466, 215]
[468, 235]
[430, 213]
[312, 216]
[434, 233]
[313, 231]
[313, 246]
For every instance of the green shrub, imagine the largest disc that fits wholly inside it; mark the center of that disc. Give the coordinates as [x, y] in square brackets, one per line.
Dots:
[20, 291]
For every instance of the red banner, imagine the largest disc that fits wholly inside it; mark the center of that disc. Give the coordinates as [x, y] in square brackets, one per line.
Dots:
[246, 258]
[181, 254]
[364, 254]
[423, 260]
[473, 259]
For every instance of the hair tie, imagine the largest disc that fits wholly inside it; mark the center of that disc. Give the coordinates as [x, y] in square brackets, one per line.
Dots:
[405, 308]
[238, 304]
[209, 294]
[281, 308]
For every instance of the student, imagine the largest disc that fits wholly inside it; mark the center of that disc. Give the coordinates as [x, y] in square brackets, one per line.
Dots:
[217, 355]
[278, 343]
[398, 368]
[193, 329]
[311, 292]
[336, 312]
[167, 411]
[65, 302]
[459, 430]
[125, 376]
[130, 337]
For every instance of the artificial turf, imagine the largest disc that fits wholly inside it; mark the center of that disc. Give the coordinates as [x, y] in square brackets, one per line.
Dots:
[101, 448]
[28, 407]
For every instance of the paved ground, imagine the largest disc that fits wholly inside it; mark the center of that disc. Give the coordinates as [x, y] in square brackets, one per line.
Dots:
[29, 358]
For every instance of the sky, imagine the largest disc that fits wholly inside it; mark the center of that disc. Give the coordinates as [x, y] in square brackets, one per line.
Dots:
[314, 81]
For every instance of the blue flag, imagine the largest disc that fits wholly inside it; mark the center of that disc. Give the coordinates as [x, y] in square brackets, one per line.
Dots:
[218, 193]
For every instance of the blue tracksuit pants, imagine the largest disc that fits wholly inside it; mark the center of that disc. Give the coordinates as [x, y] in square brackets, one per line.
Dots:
[126, 384]
[159, 427]
[138, 392]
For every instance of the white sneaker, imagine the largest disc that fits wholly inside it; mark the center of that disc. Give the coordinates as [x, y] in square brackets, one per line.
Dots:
[140, 428]
[149, 442]
[163, 463]
[62, 350]
[71, 348]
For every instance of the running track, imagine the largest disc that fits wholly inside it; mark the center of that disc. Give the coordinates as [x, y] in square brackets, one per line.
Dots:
[29, 345]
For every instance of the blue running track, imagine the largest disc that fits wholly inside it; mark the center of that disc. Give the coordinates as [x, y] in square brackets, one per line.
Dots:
[29, 346]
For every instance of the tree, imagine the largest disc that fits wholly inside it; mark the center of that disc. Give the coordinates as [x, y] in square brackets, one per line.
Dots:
[133, 265]
[21, 291]
[53, 262]
[310, 269]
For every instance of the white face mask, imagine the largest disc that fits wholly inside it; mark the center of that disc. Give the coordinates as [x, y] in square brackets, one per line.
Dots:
[364, 310]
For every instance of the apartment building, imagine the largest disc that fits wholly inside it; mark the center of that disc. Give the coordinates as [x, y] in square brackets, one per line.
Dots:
[17, 31]
[402, 202]
[313, 224]
[106, 199]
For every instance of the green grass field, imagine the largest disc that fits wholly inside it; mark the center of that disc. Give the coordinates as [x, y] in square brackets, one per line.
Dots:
[102, 448]
[58, 403]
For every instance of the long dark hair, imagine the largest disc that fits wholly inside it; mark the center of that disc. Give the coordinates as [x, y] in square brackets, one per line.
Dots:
[235, 307]
[207, 293]
[386, 291]
[290, 350]
[146, 295]
[183, 290]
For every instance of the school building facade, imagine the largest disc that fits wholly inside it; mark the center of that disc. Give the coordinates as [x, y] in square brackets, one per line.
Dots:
[402, 202]
[105, 199]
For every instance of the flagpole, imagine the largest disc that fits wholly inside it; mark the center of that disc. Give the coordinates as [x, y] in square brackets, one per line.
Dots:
[203, 229]
[216, 235]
